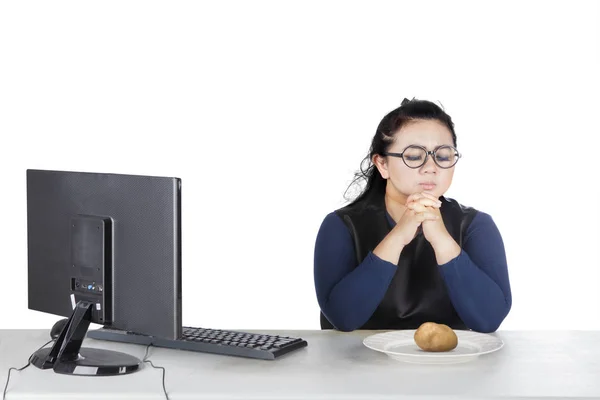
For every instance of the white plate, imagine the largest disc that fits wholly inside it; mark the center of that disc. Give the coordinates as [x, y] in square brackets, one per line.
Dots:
[400, 345]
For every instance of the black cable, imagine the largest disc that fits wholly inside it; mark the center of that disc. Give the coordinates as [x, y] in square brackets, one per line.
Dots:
[153, 366]
[45, 344]
[21, 369]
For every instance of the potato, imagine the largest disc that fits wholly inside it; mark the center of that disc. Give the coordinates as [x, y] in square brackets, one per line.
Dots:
[435, 337]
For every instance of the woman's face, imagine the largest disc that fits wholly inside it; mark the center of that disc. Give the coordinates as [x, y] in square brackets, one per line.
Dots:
[405, 181]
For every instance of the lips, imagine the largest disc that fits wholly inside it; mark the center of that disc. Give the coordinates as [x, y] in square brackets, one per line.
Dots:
[427, 186]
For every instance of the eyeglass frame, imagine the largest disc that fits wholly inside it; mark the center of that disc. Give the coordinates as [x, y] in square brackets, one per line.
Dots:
[427, 154]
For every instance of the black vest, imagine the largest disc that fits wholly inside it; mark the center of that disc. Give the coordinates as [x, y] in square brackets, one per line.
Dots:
[417, 293]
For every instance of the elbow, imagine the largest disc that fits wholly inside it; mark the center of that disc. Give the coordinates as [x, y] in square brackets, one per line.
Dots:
[487, 328]
[492, 324]
[344, 327]
[339, 322]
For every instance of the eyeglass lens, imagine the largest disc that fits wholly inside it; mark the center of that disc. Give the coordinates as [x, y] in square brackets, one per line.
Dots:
[445, 156]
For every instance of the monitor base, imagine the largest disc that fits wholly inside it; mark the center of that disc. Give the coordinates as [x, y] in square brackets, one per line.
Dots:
[67, 356]
[90, 362]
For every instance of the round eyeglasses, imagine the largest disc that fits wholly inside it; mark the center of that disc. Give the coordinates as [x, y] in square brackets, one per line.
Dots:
[416, 156]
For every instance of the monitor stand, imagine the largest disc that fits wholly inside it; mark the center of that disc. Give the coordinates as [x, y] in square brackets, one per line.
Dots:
[68, 357]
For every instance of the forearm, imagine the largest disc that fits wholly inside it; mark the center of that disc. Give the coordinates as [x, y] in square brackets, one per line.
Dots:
[347, 293]
[445, 249]
[352, 301]
[477, 298]
[390, 248]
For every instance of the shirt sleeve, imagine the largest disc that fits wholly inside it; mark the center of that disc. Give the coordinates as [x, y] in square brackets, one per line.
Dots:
[477, 279]
[348, 294]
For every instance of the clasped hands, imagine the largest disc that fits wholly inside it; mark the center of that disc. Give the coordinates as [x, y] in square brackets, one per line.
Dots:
[426, 210]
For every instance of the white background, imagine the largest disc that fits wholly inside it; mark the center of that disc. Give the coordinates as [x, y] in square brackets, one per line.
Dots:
[265, 110]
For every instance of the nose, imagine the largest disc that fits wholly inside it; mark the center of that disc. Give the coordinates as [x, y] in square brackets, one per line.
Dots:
[430, 167]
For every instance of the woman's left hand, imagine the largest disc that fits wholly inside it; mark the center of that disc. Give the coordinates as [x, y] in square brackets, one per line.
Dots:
[435, 232]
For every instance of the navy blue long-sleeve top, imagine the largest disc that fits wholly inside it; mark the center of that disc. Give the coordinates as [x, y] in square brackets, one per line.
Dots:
[477, 279]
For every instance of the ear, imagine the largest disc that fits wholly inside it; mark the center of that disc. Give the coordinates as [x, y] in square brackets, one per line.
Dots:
[380, 163]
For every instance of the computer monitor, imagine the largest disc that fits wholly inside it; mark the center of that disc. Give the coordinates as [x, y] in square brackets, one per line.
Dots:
[105, 249]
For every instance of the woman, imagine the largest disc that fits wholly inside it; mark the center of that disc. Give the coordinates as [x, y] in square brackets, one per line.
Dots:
[402, 254]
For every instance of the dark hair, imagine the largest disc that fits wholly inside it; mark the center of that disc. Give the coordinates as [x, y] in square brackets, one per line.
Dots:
[409, 110]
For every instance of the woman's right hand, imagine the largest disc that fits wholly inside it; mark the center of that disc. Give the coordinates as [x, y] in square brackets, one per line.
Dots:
[407, 226]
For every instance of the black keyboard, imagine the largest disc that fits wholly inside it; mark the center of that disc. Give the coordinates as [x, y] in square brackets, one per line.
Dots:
[254, 345]
[216, 341]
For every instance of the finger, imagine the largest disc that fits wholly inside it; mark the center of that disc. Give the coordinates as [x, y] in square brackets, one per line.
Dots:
[422, 195]
[412, 213]
[426, 216]
[413, 197]
[431, 196]
[427, 202]
[417, 207]
[422, 219]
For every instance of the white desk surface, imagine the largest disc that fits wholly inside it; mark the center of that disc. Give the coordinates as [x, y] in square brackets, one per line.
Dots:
[335, 365]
